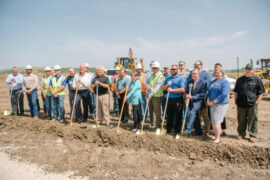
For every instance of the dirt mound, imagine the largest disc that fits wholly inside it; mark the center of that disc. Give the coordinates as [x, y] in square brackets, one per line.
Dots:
[257, 157]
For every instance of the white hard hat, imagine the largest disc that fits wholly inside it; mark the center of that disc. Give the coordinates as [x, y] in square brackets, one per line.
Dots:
[138, 66]
[57, 67]
[28, 67]
[87, 65]
[155, 65]
[47, 68]
[117, 68]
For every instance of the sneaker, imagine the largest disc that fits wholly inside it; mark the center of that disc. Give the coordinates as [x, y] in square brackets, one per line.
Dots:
[252, 139]
[239, 137]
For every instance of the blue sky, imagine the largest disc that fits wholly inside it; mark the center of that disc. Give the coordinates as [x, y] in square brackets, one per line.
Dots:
[70, 32]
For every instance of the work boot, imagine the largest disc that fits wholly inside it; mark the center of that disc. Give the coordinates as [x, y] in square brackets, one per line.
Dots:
[252, 139]
[239, 137]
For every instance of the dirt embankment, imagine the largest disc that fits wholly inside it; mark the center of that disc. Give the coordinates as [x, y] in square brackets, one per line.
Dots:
[257, 157]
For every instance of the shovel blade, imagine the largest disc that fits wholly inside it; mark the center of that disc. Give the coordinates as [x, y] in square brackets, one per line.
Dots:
[7, 113]
[95, 126]
[139, 132]
[158, 132]
[163, 131]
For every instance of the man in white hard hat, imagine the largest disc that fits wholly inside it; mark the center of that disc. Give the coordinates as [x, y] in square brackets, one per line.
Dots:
[57, 87]
[114, 80]
[87, 67]
[154, 87]
[82, 81]
[46, 92]
[15, 81]
[141, 77]
[30, 85]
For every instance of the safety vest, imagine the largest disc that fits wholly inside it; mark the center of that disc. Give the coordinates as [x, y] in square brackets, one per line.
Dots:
[58, 84]
[46, 85]
[154, 79]
[142, 80]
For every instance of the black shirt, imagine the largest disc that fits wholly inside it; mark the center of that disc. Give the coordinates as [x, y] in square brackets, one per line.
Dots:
[104, 80]
[248, 89]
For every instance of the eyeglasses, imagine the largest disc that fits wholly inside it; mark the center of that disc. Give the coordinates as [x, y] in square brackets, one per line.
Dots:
[197, 64]
[173, 69]
[180, 64]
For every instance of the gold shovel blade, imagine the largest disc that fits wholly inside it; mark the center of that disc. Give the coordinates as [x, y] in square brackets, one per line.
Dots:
[7, 113]
[95, 126]
[163, 131]
[158, 132]
[139, 132]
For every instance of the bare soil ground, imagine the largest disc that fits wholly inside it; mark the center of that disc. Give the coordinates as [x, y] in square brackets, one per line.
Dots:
[102, 153]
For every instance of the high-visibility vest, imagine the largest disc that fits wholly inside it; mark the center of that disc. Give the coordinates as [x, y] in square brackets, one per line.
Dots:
[142, 80]
[58, 84]
[153, 81]
[46, 85]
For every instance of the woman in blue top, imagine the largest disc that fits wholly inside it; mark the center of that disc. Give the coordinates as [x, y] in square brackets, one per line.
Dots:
[218, 101]
[134, 97]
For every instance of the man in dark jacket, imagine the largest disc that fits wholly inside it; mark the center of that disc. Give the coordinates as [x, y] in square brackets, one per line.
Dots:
[248, 90]
[199, 88]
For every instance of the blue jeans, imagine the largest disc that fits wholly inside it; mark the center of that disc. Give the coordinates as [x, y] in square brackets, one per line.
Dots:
[58, 106]
[142, 107]
[84, 95]
[32, 101]
[92, 104]
[48, 101]
[44, 103]
[193, 120]
[115, 104]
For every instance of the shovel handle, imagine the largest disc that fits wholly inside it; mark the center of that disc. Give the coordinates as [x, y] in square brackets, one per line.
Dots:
[122, 108]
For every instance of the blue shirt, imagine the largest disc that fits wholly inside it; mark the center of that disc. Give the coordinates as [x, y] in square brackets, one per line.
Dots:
[70, 82]
[219, 90]
[177, 82]
[18, 84]
[122, 83]
[57, 78]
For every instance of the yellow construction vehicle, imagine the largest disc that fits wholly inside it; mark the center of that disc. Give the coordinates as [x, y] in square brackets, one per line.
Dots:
[128, 63]
[264, 72]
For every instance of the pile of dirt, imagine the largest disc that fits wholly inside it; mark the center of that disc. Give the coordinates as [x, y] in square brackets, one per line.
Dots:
[257, 157]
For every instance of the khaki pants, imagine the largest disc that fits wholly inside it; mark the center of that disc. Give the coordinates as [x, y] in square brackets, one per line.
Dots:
[103, 108]
[154, 107]
[247, 118]
[204, 114]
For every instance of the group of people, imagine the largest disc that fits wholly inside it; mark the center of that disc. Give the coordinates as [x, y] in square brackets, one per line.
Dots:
[154, 94]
